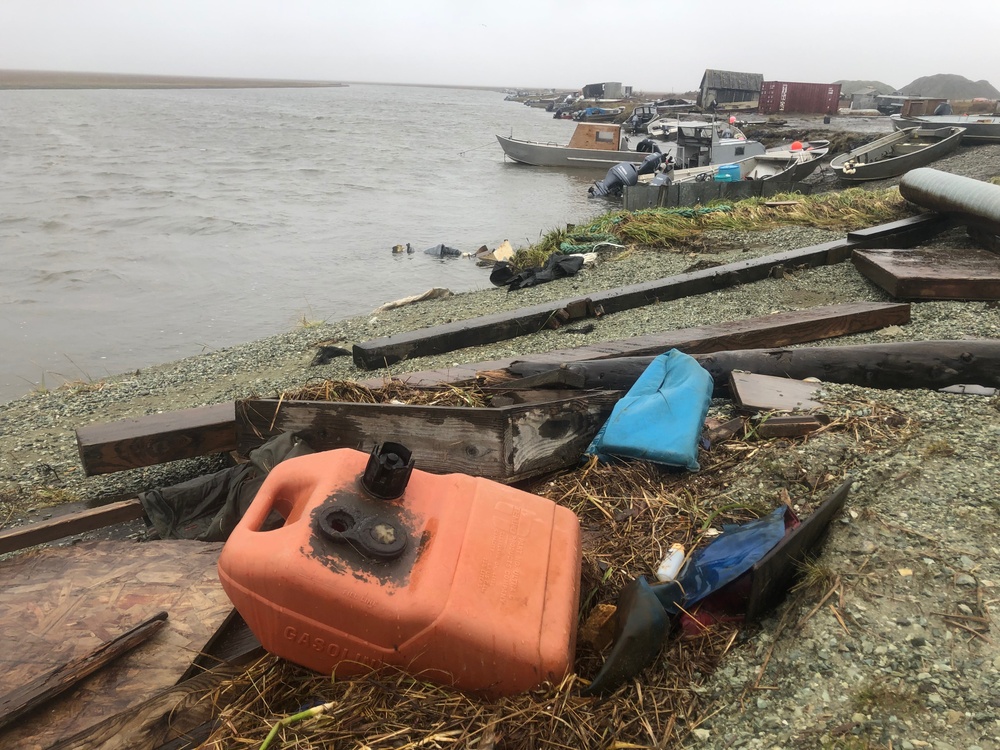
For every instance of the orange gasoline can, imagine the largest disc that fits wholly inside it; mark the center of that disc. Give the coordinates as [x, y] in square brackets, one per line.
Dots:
[456, 579]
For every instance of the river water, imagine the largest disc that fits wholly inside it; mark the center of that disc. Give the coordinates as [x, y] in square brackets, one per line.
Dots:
[139, 227]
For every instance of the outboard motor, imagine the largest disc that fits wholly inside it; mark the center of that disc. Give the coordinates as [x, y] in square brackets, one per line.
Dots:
[651, 163]
[614, 182]
[666, 173]
[647, 146]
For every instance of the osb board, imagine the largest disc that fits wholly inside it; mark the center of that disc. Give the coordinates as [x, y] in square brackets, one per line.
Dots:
[59, 603]
[933, 272]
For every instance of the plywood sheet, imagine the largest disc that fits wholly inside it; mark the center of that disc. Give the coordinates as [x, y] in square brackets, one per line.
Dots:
[59, 603]
[753, 393]
[933, 272]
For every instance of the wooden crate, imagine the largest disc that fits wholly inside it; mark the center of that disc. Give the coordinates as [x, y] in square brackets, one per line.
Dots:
[506, 444]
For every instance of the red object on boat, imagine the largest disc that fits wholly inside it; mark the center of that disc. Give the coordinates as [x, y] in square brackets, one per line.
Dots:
[456, 579]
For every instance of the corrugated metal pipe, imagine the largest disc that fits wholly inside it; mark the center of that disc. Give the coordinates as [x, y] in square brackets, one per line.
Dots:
[977, 201]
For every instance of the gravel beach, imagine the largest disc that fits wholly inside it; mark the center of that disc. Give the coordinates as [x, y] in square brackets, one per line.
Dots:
[908, 657]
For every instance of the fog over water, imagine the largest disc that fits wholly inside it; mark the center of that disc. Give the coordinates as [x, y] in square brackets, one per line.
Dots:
[138, 227]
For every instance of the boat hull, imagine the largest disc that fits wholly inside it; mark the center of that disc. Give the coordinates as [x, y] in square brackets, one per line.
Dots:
[896, 154]
[779, 166]
[978, 128]
[553, 155]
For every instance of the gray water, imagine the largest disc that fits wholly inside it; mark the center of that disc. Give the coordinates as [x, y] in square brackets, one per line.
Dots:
[139, 227]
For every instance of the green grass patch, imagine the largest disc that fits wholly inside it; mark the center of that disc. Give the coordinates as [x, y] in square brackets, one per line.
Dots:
[682, 228]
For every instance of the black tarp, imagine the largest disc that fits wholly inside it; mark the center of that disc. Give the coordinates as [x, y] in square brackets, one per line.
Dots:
[208, 508]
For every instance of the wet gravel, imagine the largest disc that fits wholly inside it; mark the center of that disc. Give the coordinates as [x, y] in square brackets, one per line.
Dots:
[908, 656]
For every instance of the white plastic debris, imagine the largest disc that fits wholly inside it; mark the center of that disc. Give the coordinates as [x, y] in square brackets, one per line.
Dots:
[671, 564]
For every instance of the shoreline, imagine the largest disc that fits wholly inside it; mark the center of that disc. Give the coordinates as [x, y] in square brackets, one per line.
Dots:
[31, 80]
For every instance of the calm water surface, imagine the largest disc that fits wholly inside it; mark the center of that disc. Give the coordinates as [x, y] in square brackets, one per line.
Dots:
[138, 227]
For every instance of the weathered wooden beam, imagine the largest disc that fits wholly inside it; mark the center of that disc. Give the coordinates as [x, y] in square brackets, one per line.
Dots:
[155, 439]
[506, 444]
[908, 364]
[777, 329]
[21, 537]
[899, 365]
[489, 329]
[45, 687]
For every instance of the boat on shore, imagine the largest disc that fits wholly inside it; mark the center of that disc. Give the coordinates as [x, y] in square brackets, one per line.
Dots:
[698, 144]
[598, 114]
[896, 153]
[779, 166]
[978, 128]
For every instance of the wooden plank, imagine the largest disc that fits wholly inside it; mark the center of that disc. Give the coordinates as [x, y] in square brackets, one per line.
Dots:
[28, 697]
[920, 223]
[777, 329]
[488, 329]
[793, 425]
[145, 441]
[506, 444]
[753, 393]
[933, 272]
[57, 604]
[21, 537]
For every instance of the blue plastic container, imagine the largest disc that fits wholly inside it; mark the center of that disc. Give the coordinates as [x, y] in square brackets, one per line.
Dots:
[728, 173]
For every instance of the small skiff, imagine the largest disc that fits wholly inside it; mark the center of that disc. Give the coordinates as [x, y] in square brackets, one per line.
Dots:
[978, 128]
[896, 154]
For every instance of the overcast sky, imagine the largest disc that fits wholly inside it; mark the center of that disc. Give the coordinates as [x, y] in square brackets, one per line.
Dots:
[663, 45]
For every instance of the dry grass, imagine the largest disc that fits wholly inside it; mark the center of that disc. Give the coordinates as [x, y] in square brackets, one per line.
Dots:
[629, 514]
[392, 391]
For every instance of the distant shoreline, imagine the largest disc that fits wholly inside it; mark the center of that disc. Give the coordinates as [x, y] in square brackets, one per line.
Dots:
[45, 79]
[54, 79]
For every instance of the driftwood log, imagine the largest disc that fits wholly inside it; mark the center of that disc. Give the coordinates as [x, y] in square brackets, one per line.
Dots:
[911, 364]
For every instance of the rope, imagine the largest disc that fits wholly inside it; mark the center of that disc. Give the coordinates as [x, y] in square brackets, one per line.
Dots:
[476, 148]
[585, 243]
[689, 213]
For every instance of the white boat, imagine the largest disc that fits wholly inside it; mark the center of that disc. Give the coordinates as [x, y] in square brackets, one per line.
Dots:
[978, 128]
[780, 166]
[599, 145]
[594, 144]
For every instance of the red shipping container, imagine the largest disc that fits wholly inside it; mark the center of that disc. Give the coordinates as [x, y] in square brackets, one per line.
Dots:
[784, 97]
